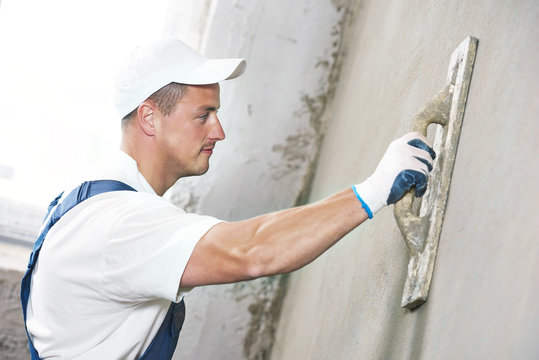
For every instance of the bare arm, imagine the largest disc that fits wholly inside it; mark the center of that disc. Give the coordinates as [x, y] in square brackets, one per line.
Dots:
[274, 243]
[287, 240]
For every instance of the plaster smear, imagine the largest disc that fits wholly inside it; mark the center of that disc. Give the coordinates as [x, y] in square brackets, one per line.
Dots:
[300, 151]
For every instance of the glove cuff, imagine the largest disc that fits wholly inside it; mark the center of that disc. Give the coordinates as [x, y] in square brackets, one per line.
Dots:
[363, 203]
[367, 194]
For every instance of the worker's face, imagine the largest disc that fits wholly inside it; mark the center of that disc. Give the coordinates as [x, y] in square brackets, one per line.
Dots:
[189, 134]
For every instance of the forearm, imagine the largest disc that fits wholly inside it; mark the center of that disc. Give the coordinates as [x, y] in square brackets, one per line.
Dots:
[274, 243]
[288, 240]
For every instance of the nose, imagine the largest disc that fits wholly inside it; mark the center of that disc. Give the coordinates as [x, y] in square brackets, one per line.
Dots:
[217, 133]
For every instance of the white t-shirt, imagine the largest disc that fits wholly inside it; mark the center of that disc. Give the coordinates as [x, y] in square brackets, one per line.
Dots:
[108, 270]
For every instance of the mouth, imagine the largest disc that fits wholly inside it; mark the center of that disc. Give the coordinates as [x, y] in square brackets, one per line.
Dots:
[207, 150]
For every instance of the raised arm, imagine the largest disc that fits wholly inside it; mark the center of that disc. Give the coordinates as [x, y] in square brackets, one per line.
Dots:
[287, 240]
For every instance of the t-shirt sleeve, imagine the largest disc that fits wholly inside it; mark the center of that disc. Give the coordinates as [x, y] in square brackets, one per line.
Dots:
[148, 249]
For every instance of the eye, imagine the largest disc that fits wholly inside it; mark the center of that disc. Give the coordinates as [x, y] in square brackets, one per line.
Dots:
[204, 116]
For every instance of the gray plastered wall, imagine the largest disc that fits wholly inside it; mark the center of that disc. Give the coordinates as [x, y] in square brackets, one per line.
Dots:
[483, 299]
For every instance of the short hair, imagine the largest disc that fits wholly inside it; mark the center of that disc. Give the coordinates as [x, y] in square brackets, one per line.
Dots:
[165, 99]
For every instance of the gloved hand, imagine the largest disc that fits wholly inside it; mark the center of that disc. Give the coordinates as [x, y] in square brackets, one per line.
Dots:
[405, 164]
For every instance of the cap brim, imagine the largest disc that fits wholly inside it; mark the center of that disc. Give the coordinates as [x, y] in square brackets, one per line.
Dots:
[213, 71]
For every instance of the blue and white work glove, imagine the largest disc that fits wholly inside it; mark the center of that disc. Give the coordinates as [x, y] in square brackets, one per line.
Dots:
[405, 164]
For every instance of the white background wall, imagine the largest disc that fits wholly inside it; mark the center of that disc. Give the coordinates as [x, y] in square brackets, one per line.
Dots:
[58, 59]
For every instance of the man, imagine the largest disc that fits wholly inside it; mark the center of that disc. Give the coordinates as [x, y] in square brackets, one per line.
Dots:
[110, 277]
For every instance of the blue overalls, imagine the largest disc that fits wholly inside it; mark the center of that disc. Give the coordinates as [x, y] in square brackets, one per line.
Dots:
[164, 342]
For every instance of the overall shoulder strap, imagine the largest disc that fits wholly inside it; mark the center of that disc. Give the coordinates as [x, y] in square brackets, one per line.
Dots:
[83, 192]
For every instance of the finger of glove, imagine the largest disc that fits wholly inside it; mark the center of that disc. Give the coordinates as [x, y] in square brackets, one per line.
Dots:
[420, 184]
[429, 166]
[413, 159]
[422, 145]
[413, 135]
[404, 181]
[420, 154]
[418, 180]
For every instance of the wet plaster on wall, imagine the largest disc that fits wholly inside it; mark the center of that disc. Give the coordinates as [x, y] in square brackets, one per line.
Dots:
[465, 317]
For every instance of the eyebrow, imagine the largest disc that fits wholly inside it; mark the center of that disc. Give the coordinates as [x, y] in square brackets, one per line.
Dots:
[208, 108]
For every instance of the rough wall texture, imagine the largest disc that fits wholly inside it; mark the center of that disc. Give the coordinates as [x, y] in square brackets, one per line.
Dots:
[19, 224]
[483, 299]
[13, 344]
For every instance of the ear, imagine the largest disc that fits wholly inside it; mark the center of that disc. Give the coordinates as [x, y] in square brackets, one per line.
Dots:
[147, 114]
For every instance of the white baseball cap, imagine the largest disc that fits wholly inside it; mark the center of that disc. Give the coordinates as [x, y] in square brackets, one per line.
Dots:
[155, 65]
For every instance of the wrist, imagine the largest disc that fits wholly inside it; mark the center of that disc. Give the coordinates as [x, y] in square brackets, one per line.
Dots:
[368, 195]
[363, 203]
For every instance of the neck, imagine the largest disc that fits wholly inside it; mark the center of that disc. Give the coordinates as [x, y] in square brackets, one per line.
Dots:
[153, 171]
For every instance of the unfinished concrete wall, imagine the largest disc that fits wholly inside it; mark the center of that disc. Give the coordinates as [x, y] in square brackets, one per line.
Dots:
[13, 343]
[483, 299]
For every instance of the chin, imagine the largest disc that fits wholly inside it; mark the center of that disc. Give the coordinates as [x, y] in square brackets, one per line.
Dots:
[198, 172]
[203, 171]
